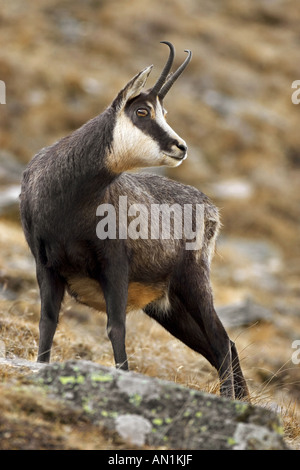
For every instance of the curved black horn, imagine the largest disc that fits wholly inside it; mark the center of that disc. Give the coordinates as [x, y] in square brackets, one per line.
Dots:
[174, 76]
[156, 88]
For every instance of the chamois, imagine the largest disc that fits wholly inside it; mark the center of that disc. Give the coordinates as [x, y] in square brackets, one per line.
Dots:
[62, 189]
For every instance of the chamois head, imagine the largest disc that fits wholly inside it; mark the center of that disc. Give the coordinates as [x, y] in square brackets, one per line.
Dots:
[142, 137]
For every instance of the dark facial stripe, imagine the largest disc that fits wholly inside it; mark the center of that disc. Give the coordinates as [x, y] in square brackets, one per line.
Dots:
[149, 124]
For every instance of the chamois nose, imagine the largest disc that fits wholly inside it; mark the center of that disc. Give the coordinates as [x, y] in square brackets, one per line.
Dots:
[181, 147]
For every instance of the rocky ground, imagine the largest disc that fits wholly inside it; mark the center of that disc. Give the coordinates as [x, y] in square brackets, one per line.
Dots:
[62, 63]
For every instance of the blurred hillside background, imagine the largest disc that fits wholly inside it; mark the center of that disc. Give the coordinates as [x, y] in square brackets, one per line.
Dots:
[64, 61]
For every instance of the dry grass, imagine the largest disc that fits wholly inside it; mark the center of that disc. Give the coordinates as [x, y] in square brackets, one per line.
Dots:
[63, 62]
[151, 351]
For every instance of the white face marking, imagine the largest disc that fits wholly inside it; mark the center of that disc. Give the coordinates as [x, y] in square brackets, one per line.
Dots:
[133, 148]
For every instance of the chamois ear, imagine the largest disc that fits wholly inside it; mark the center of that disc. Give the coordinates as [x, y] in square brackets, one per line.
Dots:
[132, 89]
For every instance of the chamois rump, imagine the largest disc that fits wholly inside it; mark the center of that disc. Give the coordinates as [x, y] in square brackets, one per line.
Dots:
[62, 187]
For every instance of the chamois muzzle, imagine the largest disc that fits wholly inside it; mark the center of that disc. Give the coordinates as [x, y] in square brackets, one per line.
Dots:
[180, 151]
[165, 81]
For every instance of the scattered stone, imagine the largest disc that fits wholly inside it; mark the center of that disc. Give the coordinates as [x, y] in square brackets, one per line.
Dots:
[258, 263]
[2, 349]
[133, 428]
[260, 251]
[232, 189]
[10, 168]
[253, 437]
[243, 313]
[19, 363]
[227, 105]
[10, 176]
[9, 199]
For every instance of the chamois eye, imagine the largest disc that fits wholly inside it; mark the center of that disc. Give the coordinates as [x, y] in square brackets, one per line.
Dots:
[142, 112]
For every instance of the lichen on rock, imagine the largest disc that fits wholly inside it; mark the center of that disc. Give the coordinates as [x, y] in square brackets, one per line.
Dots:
[149, 411]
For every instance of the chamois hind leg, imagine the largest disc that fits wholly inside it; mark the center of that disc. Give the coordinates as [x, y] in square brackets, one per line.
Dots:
[191, 285]
[181, 324]
[196, 295]
[52, 290]
[240, 386]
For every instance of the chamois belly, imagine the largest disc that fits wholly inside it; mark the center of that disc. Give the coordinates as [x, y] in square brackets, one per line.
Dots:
[88, 291]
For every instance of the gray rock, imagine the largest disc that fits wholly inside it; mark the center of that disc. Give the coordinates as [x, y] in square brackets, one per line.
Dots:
[144, 410]
[258, 263]
[232, 189]
[10, 168]
[243, 313]
[229, 106]
[259, 251]
[9, 199]
[18, 362]
[250, 436]
[133, 428]
[10, 176]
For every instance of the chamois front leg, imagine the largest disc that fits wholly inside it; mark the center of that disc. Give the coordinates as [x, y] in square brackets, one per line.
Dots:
[115, 289]
[116, 330]
[52, 290]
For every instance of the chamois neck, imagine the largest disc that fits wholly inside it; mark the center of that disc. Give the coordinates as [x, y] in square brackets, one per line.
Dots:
[75, 167]
[90, 144]
[86, 150]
